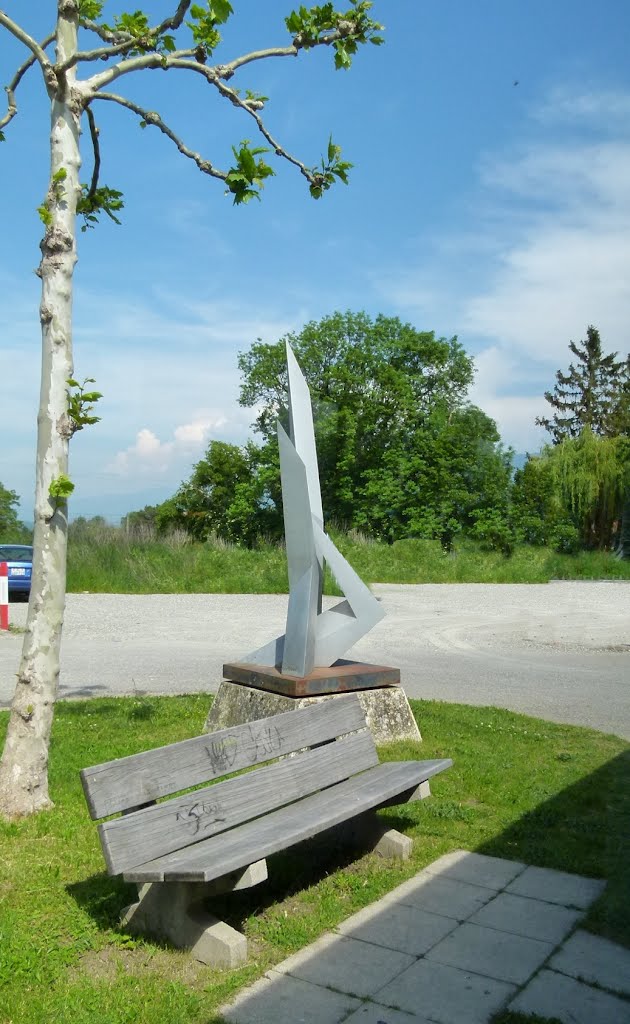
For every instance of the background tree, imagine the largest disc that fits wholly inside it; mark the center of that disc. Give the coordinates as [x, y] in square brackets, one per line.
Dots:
[10, 525]
[594, 393]
[183, 41]
[590, 474]
[537, 510]
[586, 473]
[226, 496]
[401, 452]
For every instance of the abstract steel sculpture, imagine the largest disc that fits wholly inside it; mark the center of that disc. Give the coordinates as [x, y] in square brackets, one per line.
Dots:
[313, 638]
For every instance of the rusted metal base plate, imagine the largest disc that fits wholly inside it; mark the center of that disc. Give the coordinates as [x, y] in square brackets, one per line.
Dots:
[338, 678]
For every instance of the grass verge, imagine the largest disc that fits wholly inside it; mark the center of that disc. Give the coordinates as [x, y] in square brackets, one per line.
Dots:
[108, 560]
[551, 795]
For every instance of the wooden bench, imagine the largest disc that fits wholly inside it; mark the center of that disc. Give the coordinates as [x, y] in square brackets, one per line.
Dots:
[182, 850]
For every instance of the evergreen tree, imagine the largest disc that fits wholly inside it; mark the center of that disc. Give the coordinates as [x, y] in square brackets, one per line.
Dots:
[595, 393]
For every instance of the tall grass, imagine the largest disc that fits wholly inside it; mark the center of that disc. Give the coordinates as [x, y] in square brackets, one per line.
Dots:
[106, 559]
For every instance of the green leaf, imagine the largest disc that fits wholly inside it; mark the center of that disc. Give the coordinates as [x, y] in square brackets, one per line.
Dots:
[45, 215]
[293, 22]
[90, 9]
[61, 487]
[103, 200]
[60, 175]
[222, 10]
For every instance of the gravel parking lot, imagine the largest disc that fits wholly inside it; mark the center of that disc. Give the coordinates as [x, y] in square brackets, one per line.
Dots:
[558, 650]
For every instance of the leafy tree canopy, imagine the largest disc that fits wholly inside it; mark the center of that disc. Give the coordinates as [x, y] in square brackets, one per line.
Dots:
[401, 453]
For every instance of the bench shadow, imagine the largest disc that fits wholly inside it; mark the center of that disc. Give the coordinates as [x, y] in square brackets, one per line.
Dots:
[103, 897]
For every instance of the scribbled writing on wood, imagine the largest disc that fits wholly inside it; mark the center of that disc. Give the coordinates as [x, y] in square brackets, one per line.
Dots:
[259, 744]
[262, 742]
[199, 816]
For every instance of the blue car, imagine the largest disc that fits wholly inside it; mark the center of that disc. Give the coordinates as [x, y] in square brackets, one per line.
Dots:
[19, 559]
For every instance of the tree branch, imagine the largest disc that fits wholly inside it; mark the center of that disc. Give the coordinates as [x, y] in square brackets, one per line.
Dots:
[120, 42]
[211, 76]
[97, 153]
[152, 117]
[105, 52]
[106, 34]
[92, 85]
[175, 20]
[227, 70]
[224, 71]
[15, 81]
[28, 41]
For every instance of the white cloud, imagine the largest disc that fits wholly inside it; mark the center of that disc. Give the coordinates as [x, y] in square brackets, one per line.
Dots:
[571, 104]
[552, 223]
[148, 455]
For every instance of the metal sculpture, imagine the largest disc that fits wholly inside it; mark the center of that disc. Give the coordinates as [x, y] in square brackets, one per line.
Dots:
[313, 637]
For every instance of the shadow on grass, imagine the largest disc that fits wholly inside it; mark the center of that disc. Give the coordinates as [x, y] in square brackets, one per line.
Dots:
[584, 829]
[103, 898]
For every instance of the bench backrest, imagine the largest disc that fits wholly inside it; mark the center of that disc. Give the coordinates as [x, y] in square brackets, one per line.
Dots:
[332, 741]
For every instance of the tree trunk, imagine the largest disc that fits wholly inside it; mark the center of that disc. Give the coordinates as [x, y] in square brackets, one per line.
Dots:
[24, 766]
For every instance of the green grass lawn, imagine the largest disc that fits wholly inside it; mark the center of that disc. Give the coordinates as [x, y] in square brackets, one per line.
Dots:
[551, 795]
[106, 560]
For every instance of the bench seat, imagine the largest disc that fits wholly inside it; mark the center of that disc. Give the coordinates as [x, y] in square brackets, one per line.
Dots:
[239, 847]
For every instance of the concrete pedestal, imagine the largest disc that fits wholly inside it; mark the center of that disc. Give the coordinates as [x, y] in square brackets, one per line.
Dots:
[386, 708]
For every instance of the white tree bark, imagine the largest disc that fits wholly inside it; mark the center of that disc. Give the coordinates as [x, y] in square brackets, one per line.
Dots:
[24, 766]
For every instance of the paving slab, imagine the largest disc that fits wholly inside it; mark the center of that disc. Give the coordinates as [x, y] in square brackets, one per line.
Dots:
[445, 994]
[557, 887]
[477, 869]
[348, 965]
[375, 1013]
[594, 959]
[554, 995]
[523, 916]
[445, 896]
[408, 929]
[491, 953]
[280, 999]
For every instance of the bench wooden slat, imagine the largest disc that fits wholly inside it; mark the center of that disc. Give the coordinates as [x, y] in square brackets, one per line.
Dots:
[186, 820]
[140, 778]
[264, 836]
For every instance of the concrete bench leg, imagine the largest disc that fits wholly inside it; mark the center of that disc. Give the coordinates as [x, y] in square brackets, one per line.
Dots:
[370, 832]
[174, 911]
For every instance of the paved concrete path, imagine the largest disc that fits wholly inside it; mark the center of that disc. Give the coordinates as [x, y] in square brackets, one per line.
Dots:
[560, 651]
[468, 936]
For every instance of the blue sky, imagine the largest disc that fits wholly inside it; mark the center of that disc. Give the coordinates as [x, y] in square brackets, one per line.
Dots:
[496, 211]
